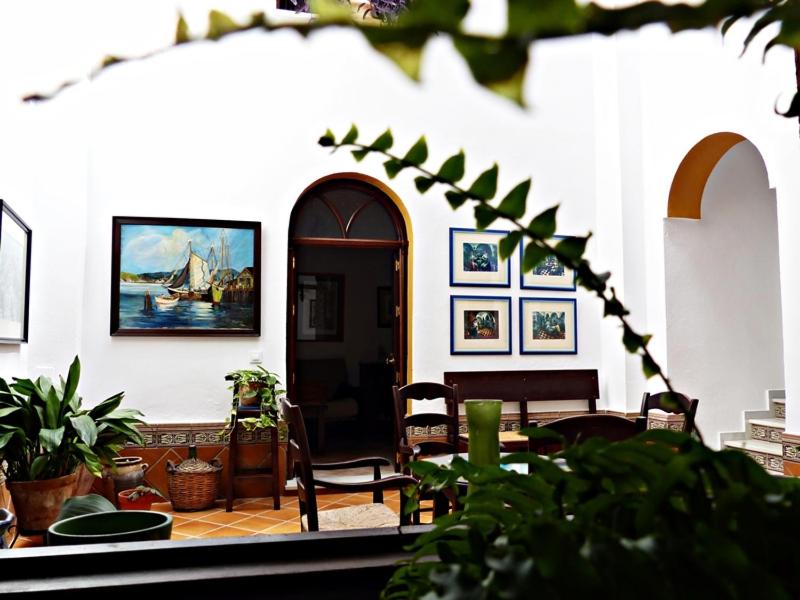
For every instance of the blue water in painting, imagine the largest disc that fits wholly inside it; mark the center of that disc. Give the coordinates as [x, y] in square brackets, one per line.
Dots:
[184, 314]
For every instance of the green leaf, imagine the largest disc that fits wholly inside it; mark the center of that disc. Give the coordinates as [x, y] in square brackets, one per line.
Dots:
[573, 247]
[38, 465]
[90, 459]
[4, 412]
[485, 186]
[51, 438]
[534, 255]
[514, 204]
[5, 438]
[632, 340]
[496, 64]
[530, 19]
[351, 136]
[434, 14]
[84, 505]
[393, 167]
[649, 367]
[509, 243]
[455, 199]
[327, 140]
[383, 142]
[107, 406]
[52, 408]
[404, 48]
[86, 428]
[418, 153]
[181, 31]
[543, 225]
[360, 154]
[74, 375]
[484, 216]
[452, 169]
[331, 11]
[219, 24]
[423, 183]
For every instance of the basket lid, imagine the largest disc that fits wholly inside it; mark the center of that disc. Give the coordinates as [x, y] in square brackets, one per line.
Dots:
[194, 464]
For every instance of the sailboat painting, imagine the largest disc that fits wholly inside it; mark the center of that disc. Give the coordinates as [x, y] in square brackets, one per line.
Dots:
[185, 277]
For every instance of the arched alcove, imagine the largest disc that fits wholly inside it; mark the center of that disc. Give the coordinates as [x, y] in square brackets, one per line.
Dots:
[723, 300]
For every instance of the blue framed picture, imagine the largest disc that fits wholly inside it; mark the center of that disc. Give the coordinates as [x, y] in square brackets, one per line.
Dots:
[475, 258]
[548, 326]
[550, 274]
[480, 325]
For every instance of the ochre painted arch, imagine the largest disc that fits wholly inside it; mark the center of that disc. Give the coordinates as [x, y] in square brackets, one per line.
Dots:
[686, 193]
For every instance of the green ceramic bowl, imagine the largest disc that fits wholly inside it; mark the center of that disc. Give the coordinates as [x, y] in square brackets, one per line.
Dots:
[117, 526]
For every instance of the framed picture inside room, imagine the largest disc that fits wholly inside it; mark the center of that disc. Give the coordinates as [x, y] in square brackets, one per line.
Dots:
[475, 258]
[15, 276]
[187, 277]
[480, 325]
[320, 307]
[550, 274]
[548, 326]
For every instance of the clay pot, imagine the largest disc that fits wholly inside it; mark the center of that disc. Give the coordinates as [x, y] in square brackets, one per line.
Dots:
[36, 503]
[129, 473]
[143, 502]
[245, 389]
[85, 481]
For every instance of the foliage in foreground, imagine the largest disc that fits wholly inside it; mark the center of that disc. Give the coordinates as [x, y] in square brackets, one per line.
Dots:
[657, 516]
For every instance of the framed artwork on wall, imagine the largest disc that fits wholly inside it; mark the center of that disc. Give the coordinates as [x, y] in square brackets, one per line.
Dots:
[385, 306]
[187, 277]
[550, 274]
[480, 325]
[320, 307]
[15, 276]
[475, 258]
[548, 326]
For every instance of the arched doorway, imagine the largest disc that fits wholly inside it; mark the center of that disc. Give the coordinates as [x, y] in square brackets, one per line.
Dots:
[723, 295]
[347, 334]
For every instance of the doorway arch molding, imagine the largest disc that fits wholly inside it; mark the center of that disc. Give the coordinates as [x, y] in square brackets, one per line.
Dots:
[394, 204]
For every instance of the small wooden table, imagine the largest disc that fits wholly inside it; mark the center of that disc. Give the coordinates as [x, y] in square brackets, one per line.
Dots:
[272, 473]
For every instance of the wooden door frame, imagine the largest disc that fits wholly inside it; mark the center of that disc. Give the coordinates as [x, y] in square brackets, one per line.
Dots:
[400, 274]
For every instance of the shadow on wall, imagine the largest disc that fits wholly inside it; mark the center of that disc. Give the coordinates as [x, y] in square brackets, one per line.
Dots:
[724, 336]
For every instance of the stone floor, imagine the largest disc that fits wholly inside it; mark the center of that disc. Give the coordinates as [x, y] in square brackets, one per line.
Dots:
[250, 516]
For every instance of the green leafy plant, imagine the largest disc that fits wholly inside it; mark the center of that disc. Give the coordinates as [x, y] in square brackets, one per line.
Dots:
[143, 490]
[45, 432]
[252, 383]
[537, 234]
[660, 514]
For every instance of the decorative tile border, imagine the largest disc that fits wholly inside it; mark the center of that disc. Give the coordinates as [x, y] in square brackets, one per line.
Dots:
[665, 420]
[780, 410]
[200, 434]
[767, 434]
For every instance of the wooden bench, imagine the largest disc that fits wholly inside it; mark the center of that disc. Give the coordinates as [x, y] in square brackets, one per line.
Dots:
[522, 387]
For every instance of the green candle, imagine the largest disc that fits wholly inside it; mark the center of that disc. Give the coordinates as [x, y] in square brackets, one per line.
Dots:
[483, 421]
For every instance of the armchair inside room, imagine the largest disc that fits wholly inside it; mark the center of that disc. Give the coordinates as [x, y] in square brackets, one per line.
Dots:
[325, 394]
[360, 516]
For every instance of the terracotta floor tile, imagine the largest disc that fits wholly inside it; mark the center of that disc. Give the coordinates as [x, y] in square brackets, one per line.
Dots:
[180, 536]
[284, 514]
[285, 528]
[195, 528]
[257, 523]
[198, 514]
[224, 518]
[227, 532]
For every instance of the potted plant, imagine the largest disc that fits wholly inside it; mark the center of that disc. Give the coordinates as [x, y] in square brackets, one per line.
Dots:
[46, 434]
[255, 388]
[139, 498]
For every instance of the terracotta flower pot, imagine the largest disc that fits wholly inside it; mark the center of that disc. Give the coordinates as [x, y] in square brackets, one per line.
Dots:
[143, 502]
[245, 389]
[85, 481]
[36, 503]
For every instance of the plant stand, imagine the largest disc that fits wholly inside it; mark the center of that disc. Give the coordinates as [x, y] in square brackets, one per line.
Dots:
[271, 473]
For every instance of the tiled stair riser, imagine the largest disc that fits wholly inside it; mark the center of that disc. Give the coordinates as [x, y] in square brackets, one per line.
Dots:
[768, 434]
[768, 461]
[780, 410]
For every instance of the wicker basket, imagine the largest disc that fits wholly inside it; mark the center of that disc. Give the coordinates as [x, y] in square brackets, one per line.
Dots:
[193, 483]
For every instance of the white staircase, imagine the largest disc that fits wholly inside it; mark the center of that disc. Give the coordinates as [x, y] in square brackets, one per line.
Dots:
[763, 435]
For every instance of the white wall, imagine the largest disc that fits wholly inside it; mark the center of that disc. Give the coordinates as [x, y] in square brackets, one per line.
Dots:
[723, 295]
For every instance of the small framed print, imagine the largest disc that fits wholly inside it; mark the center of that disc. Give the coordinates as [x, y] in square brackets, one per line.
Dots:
[475, 258]
[480, 325]
[548, 326]
[550, 274]
[15, 276]
[320, 307]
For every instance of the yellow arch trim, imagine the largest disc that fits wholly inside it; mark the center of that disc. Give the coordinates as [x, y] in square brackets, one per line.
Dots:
[686, 193]
[409, 234]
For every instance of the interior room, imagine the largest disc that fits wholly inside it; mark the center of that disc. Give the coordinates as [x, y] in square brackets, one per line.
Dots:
[234, 303]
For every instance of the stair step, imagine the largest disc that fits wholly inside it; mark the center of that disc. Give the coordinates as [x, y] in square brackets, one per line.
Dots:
[774, 423]
[779, 401]
[772, 448]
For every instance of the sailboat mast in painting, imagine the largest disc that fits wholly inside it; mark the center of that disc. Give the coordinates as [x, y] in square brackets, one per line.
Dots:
[203, 276]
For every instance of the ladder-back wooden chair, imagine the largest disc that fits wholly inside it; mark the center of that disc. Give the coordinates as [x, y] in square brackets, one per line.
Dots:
[672, 402]
[580, 428]
[361, 516]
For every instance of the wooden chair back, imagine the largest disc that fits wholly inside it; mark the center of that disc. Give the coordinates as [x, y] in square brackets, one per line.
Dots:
[449, 419]
[299, 458]
[580, 428]
[666, 401]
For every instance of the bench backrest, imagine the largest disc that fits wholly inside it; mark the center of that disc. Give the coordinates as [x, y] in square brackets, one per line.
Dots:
[528, 386]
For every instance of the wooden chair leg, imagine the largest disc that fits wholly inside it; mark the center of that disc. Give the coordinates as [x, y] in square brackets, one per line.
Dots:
[276, 490]
[233, 446]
